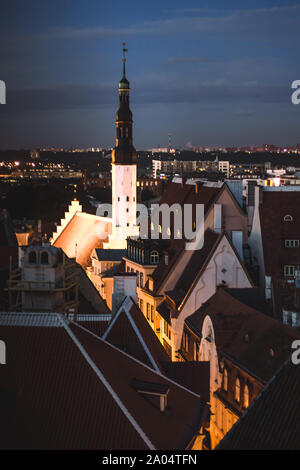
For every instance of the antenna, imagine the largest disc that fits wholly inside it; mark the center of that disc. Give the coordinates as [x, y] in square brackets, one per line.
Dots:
[124, 57]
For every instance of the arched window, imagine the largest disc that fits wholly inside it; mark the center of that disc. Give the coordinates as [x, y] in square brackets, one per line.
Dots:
[154, 257]
[237, 393]
[32, 257]
[44, 258]
[225, 380]
[288, 218]
[246, 396]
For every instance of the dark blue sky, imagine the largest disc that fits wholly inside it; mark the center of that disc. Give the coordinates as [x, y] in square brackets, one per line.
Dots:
[209, 72]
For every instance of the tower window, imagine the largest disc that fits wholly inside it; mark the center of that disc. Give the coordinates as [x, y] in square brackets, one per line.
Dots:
[127, 198]
[32, 257]
[44, 258]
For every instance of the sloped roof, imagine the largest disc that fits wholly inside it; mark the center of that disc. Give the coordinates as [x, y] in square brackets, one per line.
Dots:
[65, 388]
[109, 254]
[192, 375]
[81, 236]
[245, 335]
[195, 265]
[176, 193]
[90, 301]
[272, 422]
[130, 331]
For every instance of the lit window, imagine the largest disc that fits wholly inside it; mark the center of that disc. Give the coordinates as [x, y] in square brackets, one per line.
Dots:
[246, 396]
[237, 393]
[225, 380]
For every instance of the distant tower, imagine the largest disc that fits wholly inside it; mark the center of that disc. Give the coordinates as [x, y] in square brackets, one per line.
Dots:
[170, 142]
[123, 171]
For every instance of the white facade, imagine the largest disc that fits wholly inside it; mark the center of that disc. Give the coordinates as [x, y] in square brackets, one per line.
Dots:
[123, 205]
[224, 268]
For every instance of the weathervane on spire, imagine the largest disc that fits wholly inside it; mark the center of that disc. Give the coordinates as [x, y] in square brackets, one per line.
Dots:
[124, 57]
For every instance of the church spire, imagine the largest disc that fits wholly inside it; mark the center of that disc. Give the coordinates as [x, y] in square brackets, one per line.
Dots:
[124, 59]
[124, 152]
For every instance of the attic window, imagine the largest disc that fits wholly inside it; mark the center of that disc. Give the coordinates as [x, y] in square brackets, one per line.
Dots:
[155, 392]
[154, 257]
[272, 352]
[288, 218]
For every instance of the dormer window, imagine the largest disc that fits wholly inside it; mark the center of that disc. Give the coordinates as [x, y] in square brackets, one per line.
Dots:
[288, 218]
[154, 257]
[156, 393]
[32, 257]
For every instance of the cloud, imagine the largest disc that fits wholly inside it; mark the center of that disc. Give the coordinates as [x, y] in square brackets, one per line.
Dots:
[253, 23]
[186, 60]
[151, 92]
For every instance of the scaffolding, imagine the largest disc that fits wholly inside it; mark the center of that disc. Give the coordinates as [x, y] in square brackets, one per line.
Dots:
[67, 286]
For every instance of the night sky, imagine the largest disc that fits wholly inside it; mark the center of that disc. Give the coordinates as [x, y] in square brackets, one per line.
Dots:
[209, 72]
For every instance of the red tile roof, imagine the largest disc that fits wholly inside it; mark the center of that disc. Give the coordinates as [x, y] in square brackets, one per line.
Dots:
[183, 194]
[130, 331]
[245, 335]
[273, 420]
[64, 388]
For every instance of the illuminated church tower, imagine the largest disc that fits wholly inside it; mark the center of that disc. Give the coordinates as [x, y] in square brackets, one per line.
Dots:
[123, 171]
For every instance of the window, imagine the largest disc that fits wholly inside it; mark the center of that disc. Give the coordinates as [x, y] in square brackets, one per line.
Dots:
[32, 257]
[291, 243]
[166, 328]
[148, 311]
[246, 396]
[185, 341]
[141, 279]
[196, 348]
[288, 218]
[154, 257]
[142, 305]
[237, 393]
[152, 313]
[289, 270]
[44, 258]
[225, 380]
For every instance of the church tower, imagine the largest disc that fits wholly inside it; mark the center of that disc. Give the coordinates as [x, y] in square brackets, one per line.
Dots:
[123, 170]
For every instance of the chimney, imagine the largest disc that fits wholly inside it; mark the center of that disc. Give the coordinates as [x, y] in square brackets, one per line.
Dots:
[124, 286]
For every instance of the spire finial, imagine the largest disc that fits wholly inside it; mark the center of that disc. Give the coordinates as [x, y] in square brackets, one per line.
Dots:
[124, 57]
